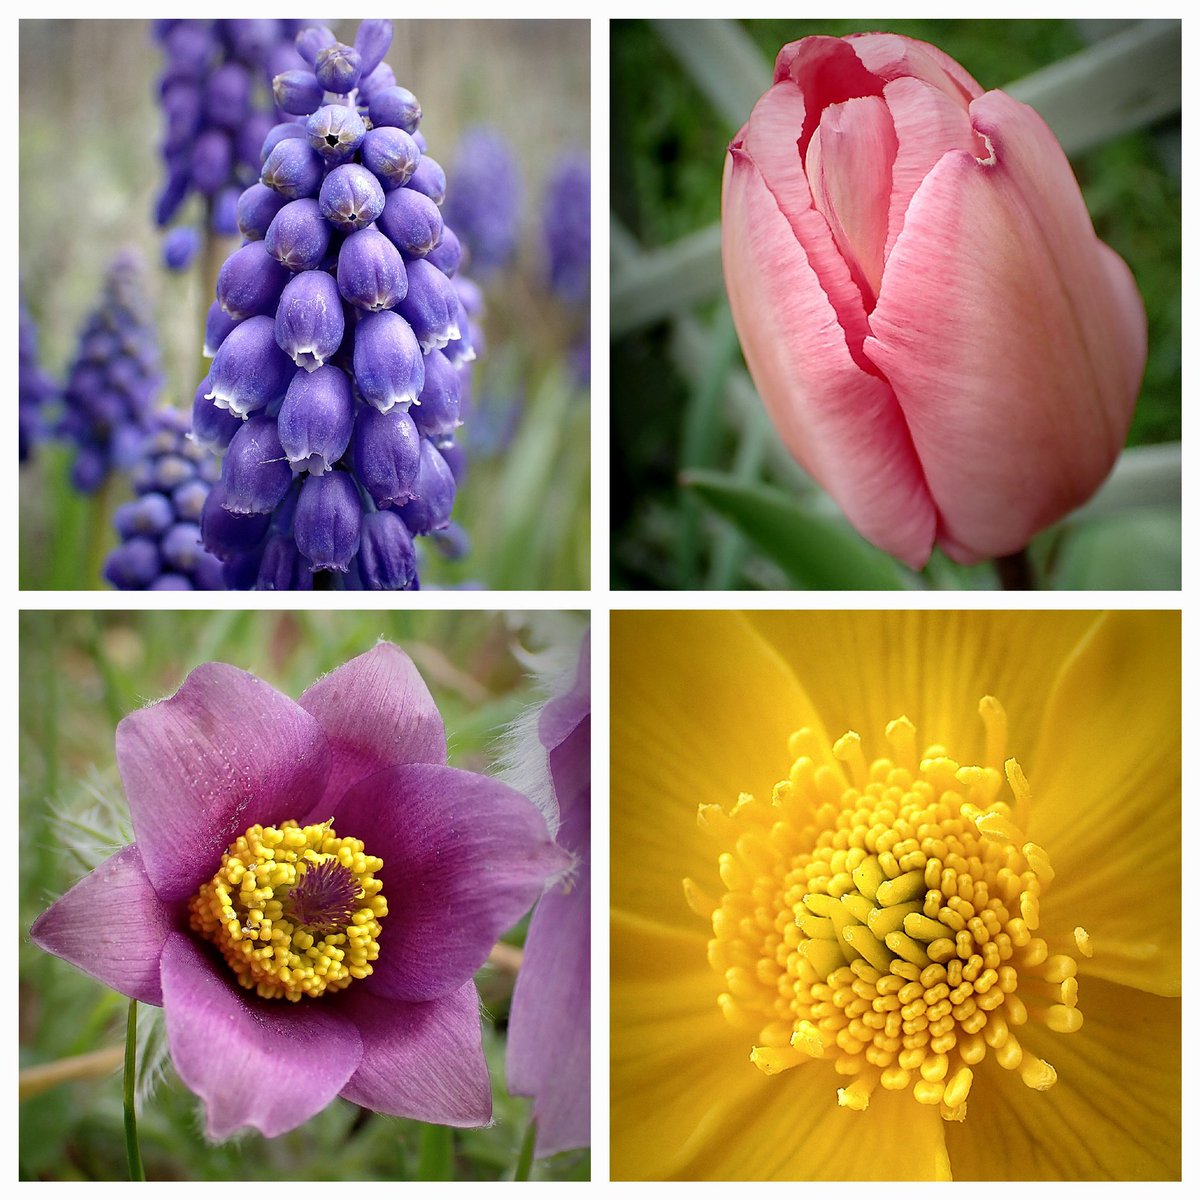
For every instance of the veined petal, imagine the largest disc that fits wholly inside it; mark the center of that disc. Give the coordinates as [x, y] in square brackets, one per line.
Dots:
[227, 751]
[112, 925]
[421, 1061]
[890, 56]
[254, 1062]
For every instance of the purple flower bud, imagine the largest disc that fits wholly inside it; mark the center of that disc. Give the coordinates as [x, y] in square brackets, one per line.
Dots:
[280, 133]
[370, 271]
[149, 515]
[395, 106]
[133, 565]
[224, 211]
[309, 324]
[256, 209]
[387, 560]
[169, 471]
[312, 40]
[328, 521]
[436, 410]
[452, 541]
[229, 535]
[338, 68]
[299, 236]
[388, 366]
[390, 155]
[184, 109]
[297, 92]
[294, 169]
[249, 371]
[255, 474]
[212, 161]
[227, 95]
[181, 547]
[412, 221]
[456, 460]
[335, 132]
[568, 228]
[430, 306]
[316, 419]
[372, 41]
[250, 282]
[484, 204]
[430, 508]
[249, 137]
[447, 254]
[283, 568]
[180, 247]
[89, 470]
[351, 197]
[386, 454]
[463, 350]
[170, 583]
[429, 179]
[174, 193]
[188, 498]
[217, 327]
[382, 77]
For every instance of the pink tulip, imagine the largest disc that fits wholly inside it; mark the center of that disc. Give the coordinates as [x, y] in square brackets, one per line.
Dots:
[936, 331]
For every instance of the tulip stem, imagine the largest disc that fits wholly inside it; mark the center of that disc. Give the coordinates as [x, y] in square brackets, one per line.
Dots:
[1016, 571]
[525, 1157]
[137, 1172]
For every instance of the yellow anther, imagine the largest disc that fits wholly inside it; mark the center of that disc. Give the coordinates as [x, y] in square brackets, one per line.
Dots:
[958, 1087]
[1060, 967]
[807, 1040]
[1083, 941]
[857, 1095]
[905, 887]
[995, 724]
[771, 1060]
[1062, 1019]
[997, 828]
[918, 926]
[697, 900]
[1038, 1074]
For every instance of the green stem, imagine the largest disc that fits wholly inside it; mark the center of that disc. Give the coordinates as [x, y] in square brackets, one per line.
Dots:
[525, 1158]
[136, 1171]
[436, 1154]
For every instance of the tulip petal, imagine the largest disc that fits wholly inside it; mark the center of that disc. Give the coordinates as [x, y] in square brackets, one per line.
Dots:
[112, 925]
[464, 858]
[1004, 330]
[421, 1061]
[891, 56]
[227, 751]
[254, 1062]
[376, 712]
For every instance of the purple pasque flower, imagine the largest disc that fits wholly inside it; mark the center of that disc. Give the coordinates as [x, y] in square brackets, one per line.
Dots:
[549, 1026]
[330, 831]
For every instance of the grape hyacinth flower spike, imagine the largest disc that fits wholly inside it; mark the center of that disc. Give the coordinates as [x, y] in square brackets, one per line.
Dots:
[567, 224]
[484, 204]
[36, 391]
[308, 896]
[338, 337]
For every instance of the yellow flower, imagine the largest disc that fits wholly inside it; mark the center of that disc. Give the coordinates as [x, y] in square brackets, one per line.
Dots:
[945, 946]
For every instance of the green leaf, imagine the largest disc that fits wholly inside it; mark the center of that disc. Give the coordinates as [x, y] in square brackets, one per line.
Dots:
[815, 552]
[1130, 551]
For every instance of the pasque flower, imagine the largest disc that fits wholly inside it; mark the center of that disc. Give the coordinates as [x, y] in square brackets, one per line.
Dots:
[946, 943]
[934, 327]
[549, 1025]
[308, 895]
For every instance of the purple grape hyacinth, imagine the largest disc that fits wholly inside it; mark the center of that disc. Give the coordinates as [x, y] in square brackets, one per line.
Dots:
[339, 336]
[484, 205]
[159, 529]
[36, 391]
[335, 819]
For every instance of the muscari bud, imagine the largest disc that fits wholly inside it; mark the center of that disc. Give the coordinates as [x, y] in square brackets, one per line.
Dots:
[308, 323]
[436, 410]
[227, 95]
[134, 564]
[148, 515]
[257, 207]
[224, 211]
[217, 327]
[370, 271]
[386, 451]
[255, 475]
[430, 508]
[370, 85]
[429, 179]
[229, 535]
[372, 41]
[338, 68]
[316, 419]
[188, 498]
[447, 254]
[387, 560]
[169, 471]
[388, 366]
[283, 567]
[181, 547]
[335, 132]
[390, 155]
[430, 306]
[351, 197]
[249, 137]
[280, 133]
[293, 169]
[249, 371]
[412, 221]
[328, 521]
[211, 161]
[312, 40]
[250, 282]
[395, 106]
[180, 247]
[299, 236]
[297, 92]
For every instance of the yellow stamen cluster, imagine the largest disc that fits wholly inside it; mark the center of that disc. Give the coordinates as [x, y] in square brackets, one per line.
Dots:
[295, 911]
[882, 917]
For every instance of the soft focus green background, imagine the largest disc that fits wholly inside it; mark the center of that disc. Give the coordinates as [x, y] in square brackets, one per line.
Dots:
[90, 171]
[668, 149]
[79, 674]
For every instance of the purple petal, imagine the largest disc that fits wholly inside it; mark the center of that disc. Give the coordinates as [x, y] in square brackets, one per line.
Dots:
[564, 728]
[262, 1063]
[464, 858]
[112, 925]
[423, 1061]
[376, 712]
[227, 751]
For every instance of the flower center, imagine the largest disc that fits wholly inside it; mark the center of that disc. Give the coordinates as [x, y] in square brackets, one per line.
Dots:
[888, 925]
[295, 911]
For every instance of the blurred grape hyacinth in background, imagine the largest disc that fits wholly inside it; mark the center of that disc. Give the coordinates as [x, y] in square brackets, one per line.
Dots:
[567, 224]
[36, 391]
[484, 204]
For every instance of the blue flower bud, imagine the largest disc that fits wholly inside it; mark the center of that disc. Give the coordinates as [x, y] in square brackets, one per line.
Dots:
[283, 567]
[456, 460]
[351, 197]
[386, 451]
[89, 470]
[370, 271]
[293, 169]
[169, 471]
[170, 583]
[328, 521]
[256, 209]
[388, 366]
[453, 541]
[436, 410]
[181, 547]
[430, 306]
[299, 236]
[183, 107]
[224, 211]
[463, 349]
[371, 84]
[279, 133]
[390, 155]
[335, 132]
[387, 560]
[133, 565]
[229, 535]
[255, 474]
[188, 498]
[297, 92]
[249, 371]
[149, 515]
[316, 419]
[429, 179]
[217, 327]
[395, 106]
[212, 161]
[412, 221]
[250, 282]
[338, 68]
[312, 40]
[568, 228]
[430, 508]
[372, 41]
[309, 324]
[180, 247]
[227, 95]
[447, 254]
[174, 193]
[249, 137]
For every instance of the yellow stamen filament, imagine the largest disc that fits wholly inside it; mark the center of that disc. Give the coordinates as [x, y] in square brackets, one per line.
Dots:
[880, 915]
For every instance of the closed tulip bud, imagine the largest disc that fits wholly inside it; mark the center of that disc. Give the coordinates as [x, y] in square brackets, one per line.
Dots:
[335, 132]
[372, 41]
[430, 508]
[338, 68]
[283, 567]
[250, 282]
[312, 40]
[412, 221]
[436, 410]
[249, 371]
[351, 197]
[370, 271]
[934, 327]
[430, 306]
[309, 324]
[387, 559]
[429, 179]
[298, 236]
[388, 366]
[229, 535]
[254, 473]
[386, 452]
[256, 209]
[293, 169]
[328, 521]
[297, 92]
[316, 419]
